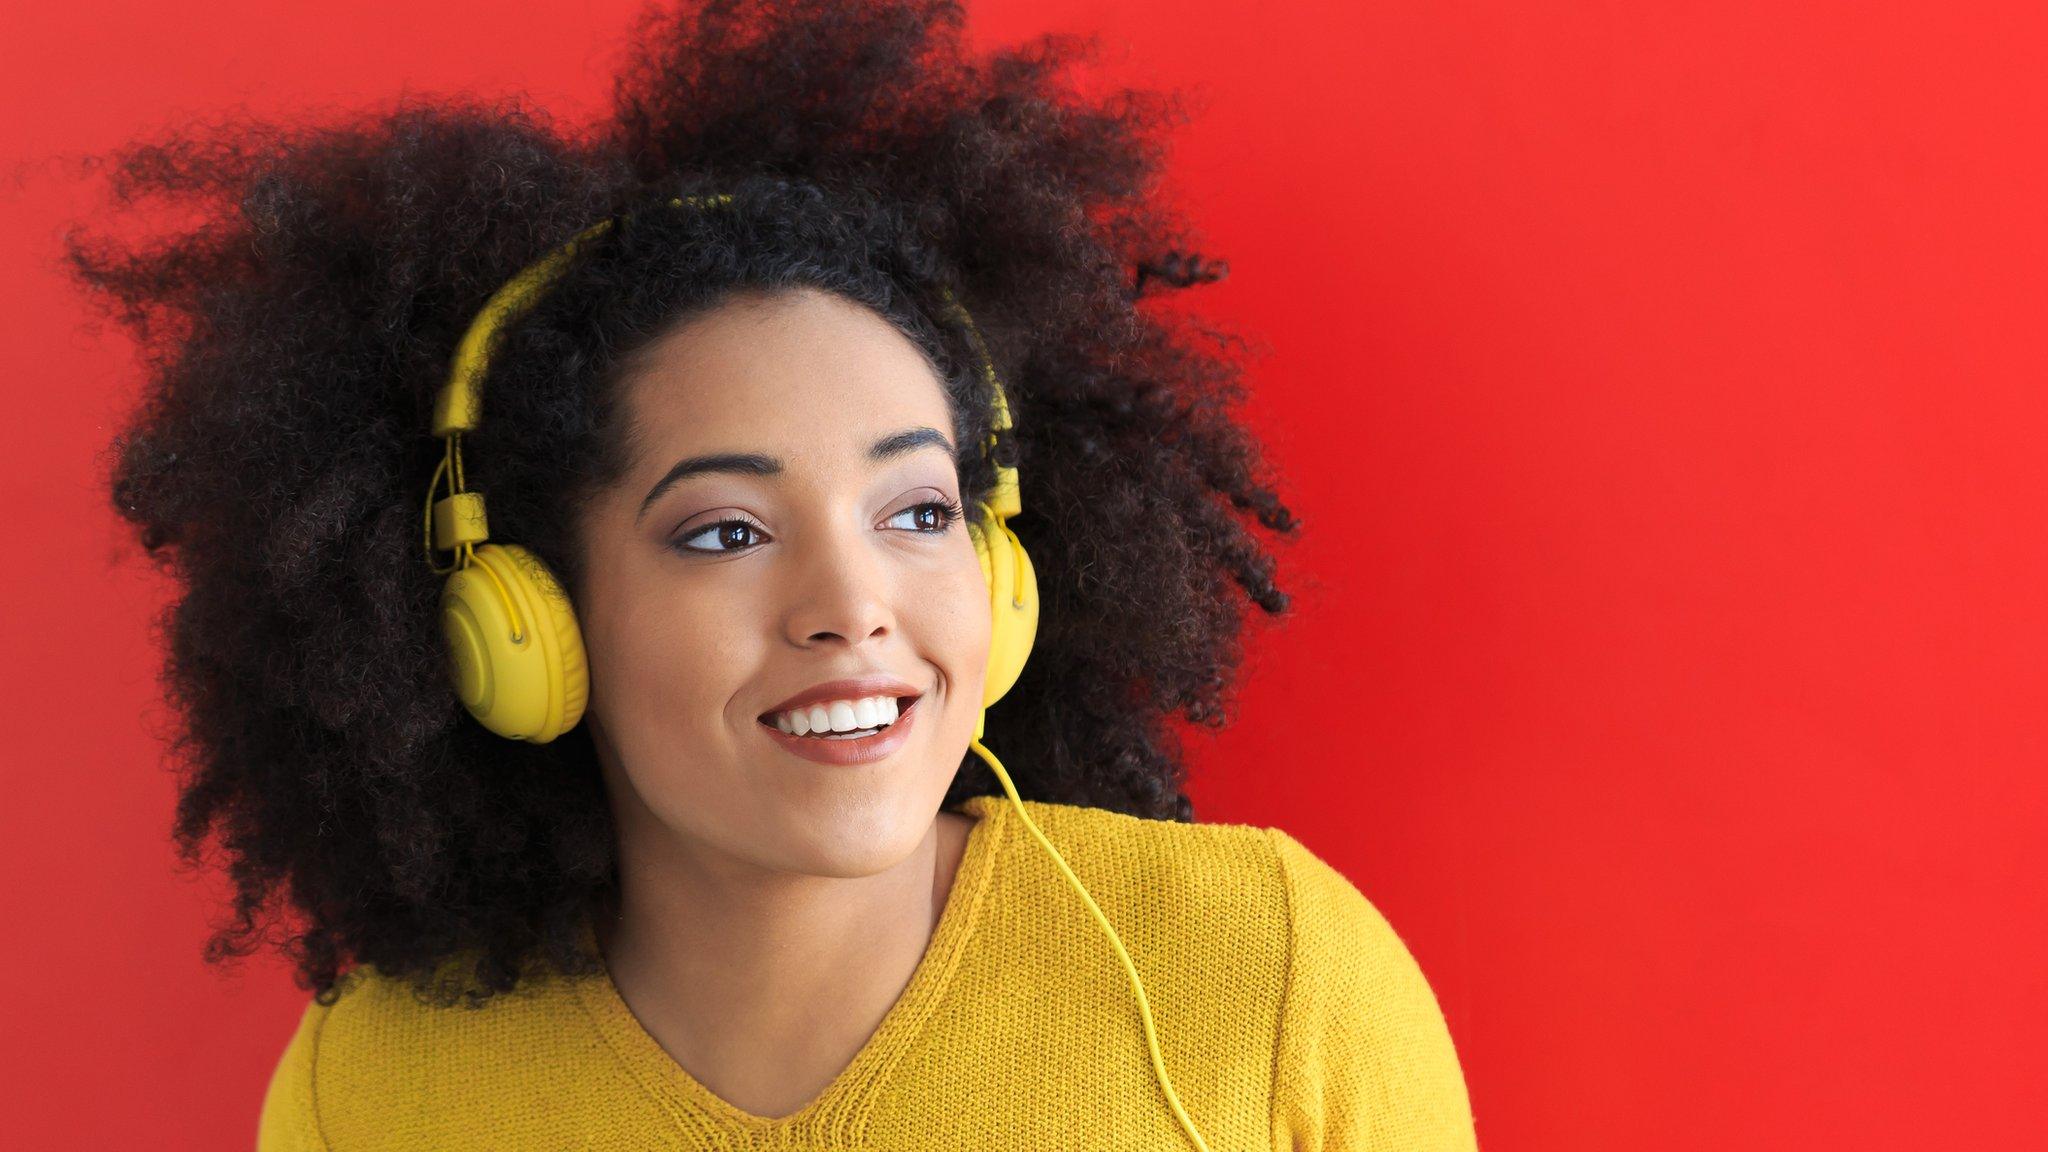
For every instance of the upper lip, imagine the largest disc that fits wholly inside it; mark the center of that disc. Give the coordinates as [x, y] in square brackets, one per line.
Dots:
[877, 684]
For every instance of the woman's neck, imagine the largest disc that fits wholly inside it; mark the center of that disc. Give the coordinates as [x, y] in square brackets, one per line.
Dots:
[765, 988]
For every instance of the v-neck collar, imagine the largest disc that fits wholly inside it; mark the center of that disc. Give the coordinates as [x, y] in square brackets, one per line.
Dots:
[836, 1116]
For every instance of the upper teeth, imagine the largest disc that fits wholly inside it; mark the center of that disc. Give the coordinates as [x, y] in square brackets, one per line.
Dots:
[839, 715]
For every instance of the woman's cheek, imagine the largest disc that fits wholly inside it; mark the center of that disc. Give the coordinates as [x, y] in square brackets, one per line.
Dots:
[969, 628]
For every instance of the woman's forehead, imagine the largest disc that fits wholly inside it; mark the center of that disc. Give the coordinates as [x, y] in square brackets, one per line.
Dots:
[804, 372]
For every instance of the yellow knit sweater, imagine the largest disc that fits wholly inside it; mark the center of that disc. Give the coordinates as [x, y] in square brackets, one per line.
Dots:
[1290, 1015]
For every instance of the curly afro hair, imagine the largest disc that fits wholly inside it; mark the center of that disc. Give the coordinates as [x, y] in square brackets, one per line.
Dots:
[295, 338]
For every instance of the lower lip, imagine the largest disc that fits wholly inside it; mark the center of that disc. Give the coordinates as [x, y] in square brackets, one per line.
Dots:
[861, 751]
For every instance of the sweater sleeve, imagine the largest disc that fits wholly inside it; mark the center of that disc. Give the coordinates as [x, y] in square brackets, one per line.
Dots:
[1365, 1059]
[288, 1122]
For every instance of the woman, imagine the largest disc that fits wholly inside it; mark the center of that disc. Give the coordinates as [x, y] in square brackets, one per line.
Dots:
[754, 377]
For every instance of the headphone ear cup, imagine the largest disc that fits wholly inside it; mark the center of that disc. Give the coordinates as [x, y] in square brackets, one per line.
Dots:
[1013, 603]
[532, 689]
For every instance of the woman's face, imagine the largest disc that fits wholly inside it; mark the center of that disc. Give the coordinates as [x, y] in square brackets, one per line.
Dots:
[840, 566]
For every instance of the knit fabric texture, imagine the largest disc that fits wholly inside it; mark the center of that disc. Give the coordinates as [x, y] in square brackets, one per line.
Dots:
[1290, 1015]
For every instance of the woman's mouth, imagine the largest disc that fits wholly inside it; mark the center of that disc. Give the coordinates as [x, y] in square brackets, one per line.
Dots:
[853, 731]
[840, 719]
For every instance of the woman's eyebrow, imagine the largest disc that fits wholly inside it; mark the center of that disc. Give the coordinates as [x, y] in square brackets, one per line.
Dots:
[756, 464]
[897, 443]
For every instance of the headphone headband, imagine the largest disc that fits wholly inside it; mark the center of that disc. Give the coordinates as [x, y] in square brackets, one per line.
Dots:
[458, 406]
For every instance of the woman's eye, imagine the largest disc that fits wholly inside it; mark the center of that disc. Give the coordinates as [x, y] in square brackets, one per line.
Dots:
[932, 516]
[728, 536]
[736, 533]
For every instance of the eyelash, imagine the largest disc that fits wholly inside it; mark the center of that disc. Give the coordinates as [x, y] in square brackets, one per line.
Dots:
[950, 513]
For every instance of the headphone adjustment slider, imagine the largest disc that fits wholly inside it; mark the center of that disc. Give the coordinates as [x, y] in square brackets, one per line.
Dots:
[459, 519]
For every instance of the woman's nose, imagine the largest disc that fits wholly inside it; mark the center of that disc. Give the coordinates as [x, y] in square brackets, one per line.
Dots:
[840, 591]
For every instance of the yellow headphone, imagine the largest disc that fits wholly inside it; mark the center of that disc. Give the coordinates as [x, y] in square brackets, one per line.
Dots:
[516, 653]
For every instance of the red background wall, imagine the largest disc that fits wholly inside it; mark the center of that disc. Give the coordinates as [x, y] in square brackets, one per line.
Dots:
[1661, 386]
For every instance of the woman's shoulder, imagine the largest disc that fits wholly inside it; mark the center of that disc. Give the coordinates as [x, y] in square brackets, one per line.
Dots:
[1365, 1048]
[1253, 942]
[1231, 871]
[1225, 868]
[381, 1050]
[1204, 904]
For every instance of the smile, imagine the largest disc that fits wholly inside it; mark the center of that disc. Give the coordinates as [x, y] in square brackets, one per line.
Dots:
[855, 731]
[831, 719]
